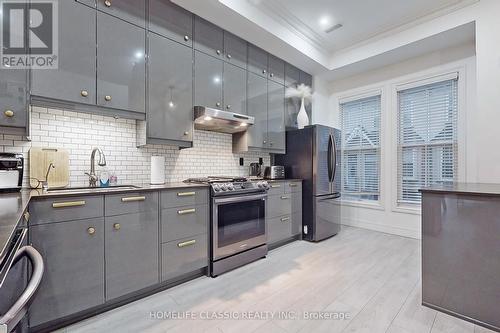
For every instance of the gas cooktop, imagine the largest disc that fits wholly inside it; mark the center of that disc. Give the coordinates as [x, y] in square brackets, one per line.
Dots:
[226, 185]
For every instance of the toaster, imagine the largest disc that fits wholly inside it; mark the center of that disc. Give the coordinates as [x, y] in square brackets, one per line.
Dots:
[11, 172]
[274, 172]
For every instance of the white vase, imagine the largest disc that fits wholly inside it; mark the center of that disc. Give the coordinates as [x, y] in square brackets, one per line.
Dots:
[302, 118]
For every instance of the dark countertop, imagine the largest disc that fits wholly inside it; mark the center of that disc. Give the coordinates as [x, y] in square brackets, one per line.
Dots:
[465, 188]
[13, 205]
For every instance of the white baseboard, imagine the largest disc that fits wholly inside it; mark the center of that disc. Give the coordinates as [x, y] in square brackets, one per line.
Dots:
[411, 233]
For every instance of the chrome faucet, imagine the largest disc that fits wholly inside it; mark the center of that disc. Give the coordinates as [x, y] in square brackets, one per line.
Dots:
[102, 162]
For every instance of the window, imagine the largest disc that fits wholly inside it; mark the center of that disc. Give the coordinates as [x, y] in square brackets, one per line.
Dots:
[360, 121]
[427, 138]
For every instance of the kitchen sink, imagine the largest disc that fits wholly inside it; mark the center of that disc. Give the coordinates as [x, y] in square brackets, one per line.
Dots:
[87, 189]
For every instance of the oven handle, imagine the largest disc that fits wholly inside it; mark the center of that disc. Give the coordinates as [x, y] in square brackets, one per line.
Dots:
[239, 199]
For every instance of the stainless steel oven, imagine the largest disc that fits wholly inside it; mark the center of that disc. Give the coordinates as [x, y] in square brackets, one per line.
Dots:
[238, 224]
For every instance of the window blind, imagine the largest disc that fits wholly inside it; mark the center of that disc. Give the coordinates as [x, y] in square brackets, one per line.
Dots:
[360, 123]
[427, 138]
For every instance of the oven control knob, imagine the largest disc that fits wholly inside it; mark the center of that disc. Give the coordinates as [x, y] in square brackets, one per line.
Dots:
[216, 187]
[223, 187]
[265, 185]
[230, 187]
[260, 185]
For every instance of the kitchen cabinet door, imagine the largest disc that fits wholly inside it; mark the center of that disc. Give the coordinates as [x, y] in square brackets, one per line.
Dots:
[170, 93]
[73, 280]
[75, 78]
[121, 66]
[276, 116]
[276, 70]
[292, 75]
[235, 89]
[90, 3]
[132, 246]
[207, 81]
[257, 60]
[257, 107]
[133, 11]
[13, 95]
[170, 20]
[235, 50]
[208, 38]
[306, 79]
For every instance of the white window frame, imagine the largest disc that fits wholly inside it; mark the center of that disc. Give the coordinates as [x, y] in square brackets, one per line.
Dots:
[353, 95]
[431, 77]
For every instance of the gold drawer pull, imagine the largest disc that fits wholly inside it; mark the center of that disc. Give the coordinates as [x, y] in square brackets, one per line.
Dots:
[68, 204]
[275, 186]
[9, 113]
[91, 230]
[186, 194]
[293, 185]
[188, 243]
[117, 226]
[285, 219]
[133, 199]
[186, 211]
[285, 198]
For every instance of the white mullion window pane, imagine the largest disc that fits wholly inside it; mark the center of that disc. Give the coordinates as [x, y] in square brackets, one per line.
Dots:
[360, 121]
[427, 138]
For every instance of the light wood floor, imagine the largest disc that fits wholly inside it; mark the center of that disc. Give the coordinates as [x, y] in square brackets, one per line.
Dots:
[372, 277]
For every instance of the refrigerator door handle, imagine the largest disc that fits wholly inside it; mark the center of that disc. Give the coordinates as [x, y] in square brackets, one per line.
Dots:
[329, 158]
[334, 158]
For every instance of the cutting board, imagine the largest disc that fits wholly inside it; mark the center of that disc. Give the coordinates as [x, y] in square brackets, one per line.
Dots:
[40, 159]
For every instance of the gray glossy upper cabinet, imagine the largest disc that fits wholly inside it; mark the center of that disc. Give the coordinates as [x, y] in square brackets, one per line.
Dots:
[257, 60]
[170, 92]
[305, 78]
[170, 20]
[257, 107]
[133, 11]
[276, 116]
[13, 95]
[235, 89]
[276, 70]
[235, 50]
[75, 78]
[207, 81]
[292, 75]
[73, 280]
[208, 38]
[121, 66]
[131, 246]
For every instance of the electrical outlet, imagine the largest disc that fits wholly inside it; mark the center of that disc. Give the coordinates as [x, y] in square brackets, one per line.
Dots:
[242, 161]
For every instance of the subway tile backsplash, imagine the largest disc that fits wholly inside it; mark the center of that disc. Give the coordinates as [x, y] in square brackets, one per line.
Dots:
[80, 132]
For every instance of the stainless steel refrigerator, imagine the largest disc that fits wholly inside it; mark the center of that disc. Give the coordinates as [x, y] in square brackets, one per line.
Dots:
[313, 155]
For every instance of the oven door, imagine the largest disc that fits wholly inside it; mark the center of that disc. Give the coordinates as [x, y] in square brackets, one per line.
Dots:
[238, 224]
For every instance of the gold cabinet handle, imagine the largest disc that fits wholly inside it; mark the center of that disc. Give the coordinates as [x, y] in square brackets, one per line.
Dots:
[9, 113]
[188, 243]
[133, 199]
[293, 185]
[285, 198]
[107, 98]
[186, 194]
[26, 216]
[117, 226]
[107, 3]
[285, 219]
[186, 38]
[186, 211]
[84, 93]
[68, 204]
[186, 133]
[91, 230]
[275, 186]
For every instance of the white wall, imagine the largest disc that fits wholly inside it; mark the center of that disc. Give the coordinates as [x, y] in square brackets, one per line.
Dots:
[386, 216]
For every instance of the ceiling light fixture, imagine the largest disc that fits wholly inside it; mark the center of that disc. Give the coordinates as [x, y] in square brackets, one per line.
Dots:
[333, 28]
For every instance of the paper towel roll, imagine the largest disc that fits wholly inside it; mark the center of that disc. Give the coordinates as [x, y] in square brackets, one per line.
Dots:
[157, 170]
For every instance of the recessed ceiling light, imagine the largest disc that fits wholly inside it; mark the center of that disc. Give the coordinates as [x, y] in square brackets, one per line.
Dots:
[325, 22]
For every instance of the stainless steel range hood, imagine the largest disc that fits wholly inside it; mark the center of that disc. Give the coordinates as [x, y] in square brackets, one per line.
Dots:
[215, 120]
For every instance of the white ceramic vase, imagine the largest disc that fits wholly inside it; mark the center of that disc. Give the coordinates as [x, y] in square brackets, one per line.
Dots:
[302, 118]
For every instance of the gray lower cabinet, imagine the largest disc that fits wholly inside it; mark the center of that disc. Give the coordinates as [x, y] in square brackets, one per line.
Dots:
[131, 249]
[208, 37]
[235, 50]
[276, 117]
[170, 93]
[75, 78]
[13, 98]
[235, 89]
[121, 74]
[257, 60]
[133, 11]
[184, 256]
[182, 222]
[208, 78]
[73, 280]
[257, 107]
[170, 20]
